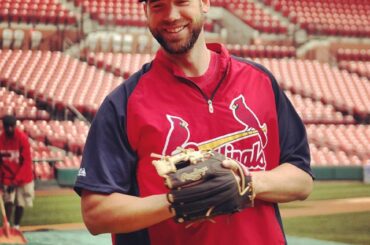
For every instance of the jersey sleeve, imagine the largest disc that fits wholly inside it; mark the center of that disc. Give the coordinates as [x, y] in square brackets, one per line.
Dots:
[108, 162]
[294, 147]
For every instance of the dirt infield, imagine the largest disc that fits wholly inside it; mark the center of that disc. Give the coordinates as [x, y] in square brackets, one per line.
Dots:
[325, 207]
[70, 226]
[54, 191]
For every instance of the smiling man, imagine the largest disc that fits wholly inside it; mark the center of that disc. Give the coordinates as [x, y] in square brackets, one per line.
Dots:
[193, 95]
[177, 31]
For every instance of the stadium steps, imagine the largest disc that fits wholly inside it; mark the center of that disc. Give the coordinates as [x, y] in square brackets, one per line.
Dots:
[71, 7]
[275, 14]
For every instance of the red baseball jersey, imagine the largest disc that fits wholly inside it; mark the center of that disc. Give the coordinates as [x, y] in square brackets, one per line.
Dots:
[242, 114]
[16, 165]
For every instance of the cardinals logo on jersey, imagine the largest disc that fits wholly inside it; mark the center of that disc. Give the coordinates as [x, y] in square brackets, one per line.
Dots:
[10, 156]
[246, 145]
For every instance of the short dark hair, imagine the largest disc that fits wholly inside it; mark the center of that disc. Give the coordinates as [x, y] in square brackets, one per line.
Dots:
[9, 120]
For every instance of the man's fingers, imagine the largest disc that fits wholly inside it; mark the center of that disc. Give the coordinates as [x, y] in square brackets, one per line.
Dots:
[231, 164]
[235, 166]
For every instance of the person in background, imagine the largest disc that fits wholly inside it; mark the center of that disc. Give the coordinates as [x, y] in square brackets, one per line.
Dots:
[15, 170]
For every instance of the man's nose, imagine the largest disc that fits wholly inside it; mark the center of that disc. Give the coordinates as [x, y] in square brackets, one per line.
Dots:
[173, 13]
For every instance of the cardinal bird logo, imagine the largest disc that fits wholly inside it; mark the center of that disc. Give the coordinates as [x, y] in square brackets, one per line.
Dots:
[254, 157]
[246, 116]
[178, 127]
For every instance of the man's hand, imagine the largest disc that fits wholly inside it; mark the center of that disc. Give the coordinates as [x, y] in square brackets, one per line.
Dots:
[239, 169]
[201, 185]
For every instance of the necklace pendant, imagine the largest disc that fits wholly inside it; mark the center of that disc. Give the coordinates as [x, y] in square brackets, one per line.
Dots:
[210, 106]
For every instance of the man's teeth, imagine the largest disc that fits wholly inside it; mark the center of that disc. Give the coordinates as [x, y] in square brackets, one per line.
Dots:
[174, 30]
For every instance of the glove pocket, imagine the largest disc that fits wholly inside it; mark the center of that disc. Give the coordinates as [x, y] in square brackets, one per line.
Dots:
[208, 205]
[202, 190]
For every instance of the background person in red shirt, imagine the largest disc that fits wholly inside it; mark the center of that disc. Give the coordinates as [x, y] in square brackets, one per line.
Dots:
[15, 170]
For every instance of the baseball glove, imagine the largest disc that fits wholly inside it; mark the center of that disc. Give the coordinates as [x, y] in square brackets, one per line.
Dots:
[200, 187]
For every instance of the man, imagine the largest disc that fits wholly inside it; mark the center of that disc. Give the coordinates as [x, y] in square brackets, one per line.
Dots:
[16, 170]
[192, 95]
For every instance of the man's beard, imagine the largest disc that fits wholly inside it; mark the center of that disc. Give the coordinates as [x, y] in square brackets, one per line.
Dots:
[186, 45]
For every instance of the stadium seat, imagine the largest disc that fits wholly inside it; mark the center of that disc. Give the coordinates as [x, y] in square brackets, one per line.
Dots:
[326, 18]
[36, 38]
[116, 42]
[18, 39]
[142, 43]
[92, 41]
[7, 38]
[127, 43]
[105, 42]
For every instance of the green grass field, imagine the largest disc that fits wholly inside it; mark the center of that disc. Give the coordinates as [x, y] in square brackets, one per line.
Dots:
[337, 190]
[55, 209]
[352, 228]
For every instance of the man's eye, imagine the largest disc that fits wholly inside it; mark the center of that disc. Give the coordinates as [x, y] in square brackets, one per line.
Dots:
[183, 2]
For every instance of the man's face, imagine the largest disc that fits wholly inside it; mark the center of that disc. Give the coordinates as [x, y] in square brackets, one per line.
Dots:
[175, 24]
[9, 130]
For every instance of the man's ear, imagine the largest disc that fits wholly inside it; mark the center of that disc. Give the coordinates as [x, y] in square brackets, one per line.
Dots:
[206, 4]
[145, 6]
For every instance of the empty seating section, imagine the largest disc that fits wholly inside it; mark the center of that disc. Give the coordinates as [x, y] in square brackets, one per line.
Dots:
[12, 38]
[354, 60]
[118, 12]
[20, 106]
[331, 100]
[69, 161]
[342, 17]
[118, 63]
[352, 54]
[66, 135]
[316, 112]
[49, 142]
[340, 144]
[324, 156]
[57, 79]
[268, 51]
[114, 12]
[120, 42]
[41, 168]
[36, 12]
[47, 161]
[254, 16]
[347, 92]
[362, 68]
[62, 80]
